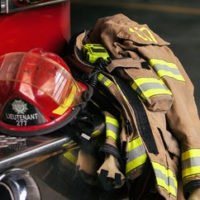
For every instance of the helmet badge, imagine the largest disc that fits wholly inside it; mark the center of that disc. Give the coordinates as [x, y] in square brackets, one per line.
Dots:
[19, 106]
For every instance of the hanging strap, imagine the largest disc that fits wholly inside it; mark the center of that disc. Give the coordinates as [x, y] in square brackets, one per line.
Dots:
[141, 116]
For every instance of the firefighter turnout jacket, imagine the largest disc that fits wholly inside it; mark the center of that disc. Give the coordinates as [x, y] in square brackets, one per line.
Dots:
[96, 130]
[159, 118]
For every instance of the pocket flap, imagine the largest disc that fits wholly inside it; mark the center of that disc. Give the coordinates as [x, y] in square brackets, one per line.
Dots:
[170, 142]
[123, 63]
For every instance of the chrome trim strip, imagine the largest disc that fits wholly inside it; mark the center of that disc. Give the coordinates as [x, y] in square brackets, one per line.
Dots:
[50, 146]
[7, 6]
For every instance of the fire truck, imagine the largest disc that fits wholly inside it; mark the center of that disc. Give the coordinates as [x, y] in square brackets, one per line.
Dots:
[24, 25]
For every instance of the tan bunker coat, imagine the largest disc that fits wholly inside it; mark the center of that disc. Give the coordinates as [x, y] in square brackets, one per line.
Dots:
[168, 130]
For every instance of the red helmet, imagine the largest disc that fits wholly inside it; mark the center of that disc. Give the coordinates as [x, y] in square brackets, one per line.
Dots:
[38, 94]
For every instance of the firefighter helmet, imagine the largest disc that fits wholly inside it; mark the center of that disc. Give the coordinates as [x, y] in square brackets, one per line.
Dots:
[38, 94]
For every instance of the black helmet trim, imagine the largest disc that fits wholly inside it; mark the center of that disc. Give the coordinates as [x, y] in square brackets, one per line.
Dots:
[53, 128]
[86, 96]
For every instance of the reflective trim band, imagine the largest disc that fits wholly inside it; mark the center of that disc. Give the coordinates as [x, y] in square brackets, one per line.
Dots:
[67, 102]
[192, 153]
[112, 120]
[141, 81]
[134, 144]
[111, 134]
[112, 127]
[190, 162]
[164, 68]
[136, 154]
[70, 157]
[147, 87]
[165, 178]
[104, 80]
[96, 133]
[139, 161]
[190, 171]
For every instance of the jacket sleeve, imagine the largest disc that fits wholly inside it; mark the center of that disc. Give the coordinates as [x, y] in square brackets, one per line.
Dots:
[183, 120]
[111, 135]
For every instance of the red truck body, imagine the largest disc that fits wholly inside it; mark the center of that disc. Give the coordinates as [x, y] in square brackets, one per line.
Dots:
[38, 25]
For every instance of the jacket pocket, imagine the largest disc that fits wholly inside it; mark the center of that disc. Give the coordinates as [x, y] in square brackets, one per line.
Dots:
[143, 80]
[170, 142]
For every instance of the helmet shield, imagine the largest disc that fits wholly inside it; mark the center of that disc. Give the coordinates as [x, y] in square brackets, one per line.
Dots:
[38, 94]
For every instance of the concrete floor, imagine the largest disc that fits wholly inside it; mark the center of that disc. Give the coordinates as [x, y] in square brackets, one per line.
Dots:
[177, 22]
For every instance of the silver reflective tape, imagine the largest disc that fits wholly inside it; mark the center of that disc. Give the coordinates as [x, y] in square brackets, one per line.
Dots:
[166, 68]
[87, 137]
[140, 150]
[149, 86]
[192, 162]
[111, 127]
[168, 180]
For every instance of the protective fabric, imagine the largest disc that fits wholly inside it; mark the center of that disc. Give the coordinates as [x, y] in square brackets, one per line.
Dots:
[194, 194]
[143, 60]
[110, 169]
[101, 143]
[38, 93]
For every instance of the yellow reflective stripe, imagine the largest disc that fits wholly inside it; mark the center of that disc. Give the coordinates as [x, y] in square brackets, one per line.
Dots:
[190, 154]
[112, 121]
[111, 127]
[191, 162]
[164, 68]
[165, 171]
[136, 163]
[153, 92]
[100, 77]
[191, 171]
[140, 81]
[110, 133]
[107, 82]
[134, 144]
[96, 133]
[147, 87]
[136, 154]
[67, 144]
[162, 73]
[67, 102]
[163, 184]
[163, 176]
[162, 62]
[70, 157]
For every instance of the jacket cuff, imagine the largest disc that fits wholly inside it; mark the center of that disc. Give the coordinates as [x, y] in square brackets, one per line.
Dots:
[190, 187]
[107, 148]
